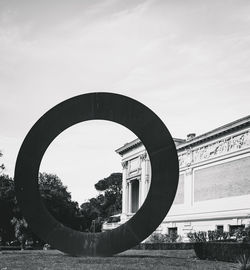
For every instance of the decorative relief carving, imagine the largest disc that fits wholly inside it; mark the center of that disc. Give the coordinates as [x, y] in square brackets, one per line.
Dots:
[143, 156]
[186, 159]
[125, 164]
[216, 149]
[189, 157]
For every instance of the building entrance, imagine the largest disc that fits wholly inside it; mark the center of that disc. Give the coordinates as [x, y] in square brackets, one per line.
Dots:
[135, 196]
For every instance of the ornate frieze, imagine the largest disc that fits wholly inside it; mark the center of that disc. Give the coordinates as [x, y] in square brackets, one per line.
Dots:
[143, 156]
[125, 164]
[221, 147]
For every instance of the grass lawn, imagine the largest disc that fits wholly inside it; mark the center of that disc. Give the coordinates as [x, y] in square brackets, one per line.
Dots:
[131, 259]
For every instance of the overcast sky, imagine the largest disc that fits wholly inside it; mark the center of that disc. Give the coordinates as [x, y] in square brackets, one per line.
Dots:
[189, 61]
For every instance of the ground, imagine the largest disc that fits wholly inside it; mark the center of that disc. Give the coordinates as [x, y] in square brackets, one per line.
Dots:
[131, 259]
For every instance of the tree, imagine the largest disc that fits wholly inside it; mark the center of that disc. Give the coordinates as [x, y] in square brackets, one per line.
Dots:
[2, 167]
[58, 201]
[7, 203]
[112, 188]
[22, 231]
[93, 212]
[108, 203]
[56, 198]
[8, 208]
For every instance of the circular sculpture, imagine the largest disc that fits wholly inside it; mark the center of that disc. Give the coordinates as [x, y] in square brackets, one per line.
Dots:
[164, 163]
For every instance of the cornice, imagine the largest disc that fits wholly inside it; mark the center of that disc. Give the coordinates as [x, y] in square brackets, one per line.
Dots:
[128, 146]
[137, 143]
[229, 128]
[182, 145]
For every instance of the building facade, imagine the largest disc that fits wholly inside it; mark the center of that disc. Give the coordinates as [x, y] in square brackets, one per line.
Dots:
[214, 181]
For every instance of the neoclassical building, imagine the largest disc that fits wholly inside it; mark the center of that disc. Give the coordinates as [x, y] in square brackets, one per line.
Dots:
[214, 181]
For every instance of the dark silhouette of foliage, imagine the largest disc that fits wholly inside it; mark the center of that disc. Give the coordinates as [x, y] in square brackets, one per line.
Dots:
[8, 208]
[112, 188]
[22, 231]
[58, 200]
[108, 203]
[2, 167]
[163, 238]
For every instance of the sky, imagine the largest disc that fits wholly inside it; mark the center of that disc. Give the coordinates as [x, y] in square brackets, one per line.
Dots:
[189, 61]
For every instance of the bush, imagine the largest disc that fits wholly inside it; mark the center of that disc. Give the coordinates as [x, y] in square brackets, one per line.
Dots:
[218, 235]
[221, 251]
[164, 246]
[242, 234]
[46, 247]
[244, 262]
[200, 236]
[156, 238]
[22, 231]
[163, 238]
[239, 235]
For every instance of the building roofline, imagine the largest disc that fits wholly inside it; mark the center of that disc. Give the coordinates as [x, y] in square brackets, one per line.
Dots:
[217, 132]
[182, 144]
[136, 143]
[128, 146]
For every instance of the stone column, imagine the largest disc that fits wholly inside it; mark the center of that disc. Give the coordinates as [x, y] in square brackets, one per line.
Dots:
[140, 192]
[129, 197]
[147, 178]
[124, 188]
[142, 187]
[147, 185]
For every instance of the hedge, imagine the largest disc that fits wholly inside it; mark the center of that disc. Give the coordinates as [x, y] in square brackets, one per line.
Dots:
[19, 248]
[10, 248]
[164, 246]
[221, 251]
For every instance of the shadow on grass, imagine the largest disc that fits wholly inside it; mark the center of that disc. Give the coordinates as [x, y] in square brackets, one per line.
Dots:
[152, 256]
[56, 253]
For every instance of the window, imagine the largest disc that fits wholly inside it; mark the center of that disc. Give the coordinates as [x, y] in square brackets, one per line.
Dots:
[220, 228]
[233, 228]
[135, 195]
[172, 230]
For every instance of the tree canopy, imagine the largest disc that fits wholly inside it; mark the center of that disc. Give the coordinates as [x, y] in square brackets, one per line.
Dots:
[2, 167]
[57, 199]
[106, 204]
[112, 188]
[7, 207]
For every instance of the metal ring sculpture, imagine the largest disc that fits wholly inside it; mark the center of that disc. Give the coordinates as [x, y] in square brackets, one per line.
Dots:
[164, 163]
